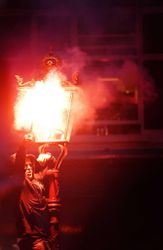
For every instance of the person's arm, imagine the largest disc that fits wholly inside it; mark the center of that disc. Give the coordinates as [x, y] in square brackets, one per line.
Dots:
[49, 164]
[46, 162]
[20, 158]
[20, 155]
[48, 172]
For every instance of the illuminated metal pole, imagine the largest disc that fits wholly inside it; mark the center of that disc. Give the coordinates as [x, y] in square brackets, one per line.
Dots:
[54, 198]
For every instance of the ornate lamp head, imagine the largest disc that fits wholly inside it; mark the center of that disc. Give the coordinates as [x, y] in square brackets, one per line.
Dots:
[45, 107]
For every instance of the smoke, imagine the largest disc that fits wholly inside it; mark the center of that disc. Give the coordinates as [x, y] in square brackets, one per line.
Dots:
[77, 58]
[74, 60]
[127, 84]
[92, 97]
[92, 93]
[135, 77]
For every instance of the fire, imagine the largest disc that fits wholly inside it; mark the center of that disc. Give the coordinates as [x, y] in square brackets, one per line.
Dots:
[44, 108]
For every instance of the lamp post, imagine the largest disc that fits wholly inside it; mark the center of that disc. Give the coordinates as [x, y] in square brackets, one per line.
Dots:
[44, 108]
[54, 198]
[53, 191]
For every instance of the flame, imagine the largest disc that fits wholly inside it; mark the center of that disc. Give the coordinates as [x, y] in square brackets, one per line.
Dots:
[43, 108]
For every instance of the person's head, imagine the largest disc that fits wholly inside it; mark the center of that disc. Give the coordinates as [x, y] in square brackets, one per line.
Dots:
[29, 166]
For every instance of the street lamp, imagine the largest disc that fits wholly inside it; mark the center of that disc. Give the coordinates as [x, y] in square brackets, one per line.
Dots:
[44, 107]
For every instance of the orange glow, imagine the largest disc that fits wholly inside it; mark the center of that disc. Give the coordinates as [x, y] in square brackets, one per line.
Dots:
[43, 109]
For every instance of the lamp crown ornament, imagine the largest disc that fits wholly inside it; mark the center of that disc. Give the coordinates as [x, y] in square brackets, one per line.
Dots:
[51, 61]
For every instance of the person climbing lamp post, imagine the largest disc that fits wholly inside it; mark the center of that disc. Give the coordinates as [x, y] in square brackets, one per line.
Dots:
[44, 108]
